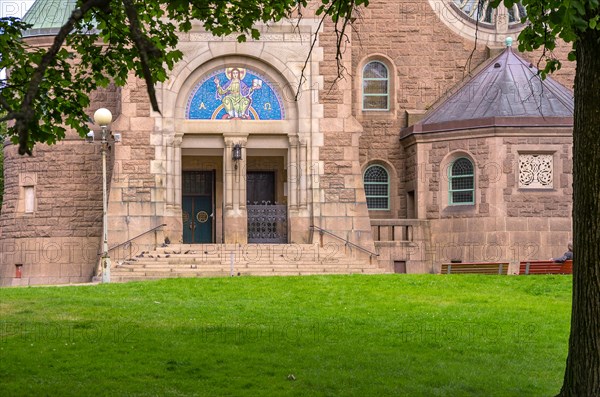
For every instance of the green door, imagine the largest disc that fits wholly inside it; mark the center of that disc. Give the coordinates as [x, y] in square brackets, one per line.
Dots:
[198, 209]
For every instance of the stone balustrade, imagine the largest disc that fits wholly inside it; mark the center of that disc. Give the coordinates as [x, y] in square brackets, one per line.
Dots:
[401, 230]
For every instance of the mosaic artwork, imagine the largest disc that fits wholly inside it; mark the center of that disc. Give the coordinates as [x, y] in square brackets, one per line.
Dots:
[234, 93]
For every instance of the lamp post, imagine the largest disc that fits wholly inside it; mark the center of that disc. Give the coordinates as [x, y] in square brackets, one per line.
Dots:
[103, 117]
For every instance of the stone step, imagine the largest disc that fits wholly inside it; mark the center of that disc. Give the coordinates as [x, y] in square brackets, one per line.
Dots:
[248, 257]
[178, 263]
[214, 260]
[305, 266]
[257, 252]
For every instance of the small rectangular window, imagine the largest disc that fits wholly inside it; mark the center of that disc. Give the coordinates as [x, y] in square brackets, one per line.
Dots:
[29, 199]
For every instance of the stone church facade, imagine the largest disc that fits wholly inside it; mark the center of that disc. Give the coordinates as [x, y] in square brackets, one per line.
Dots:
[406, 162]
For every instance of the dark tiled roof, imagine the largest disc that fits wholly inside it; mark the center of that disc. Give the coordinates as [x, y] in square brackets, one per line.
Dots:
[508, 88]
[48, 16]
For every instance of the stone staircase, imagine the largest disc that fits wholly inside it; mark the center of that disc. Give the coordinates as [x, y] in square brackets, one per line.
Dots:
[225, 260]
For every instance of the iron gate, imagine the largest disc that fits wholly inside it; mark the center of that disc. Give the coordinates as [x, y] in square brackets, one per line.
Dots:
[267, 223]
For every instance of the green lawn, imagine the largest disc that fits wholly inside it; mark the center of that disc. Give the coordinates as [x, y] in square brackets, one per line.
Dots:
[389, 335]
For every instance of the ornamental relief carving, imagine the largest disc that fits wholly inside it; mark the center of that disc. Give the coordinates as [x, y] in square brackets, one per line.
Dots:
[535, 171]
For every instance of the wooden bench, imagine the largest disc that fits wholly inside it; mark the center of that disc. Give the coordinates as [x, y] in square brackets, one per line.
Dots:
[475, 268]
[545, 267]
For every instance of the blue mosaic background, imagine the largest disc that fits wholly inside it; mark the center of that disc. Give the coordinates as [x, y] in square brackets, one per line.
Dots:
[204, 102]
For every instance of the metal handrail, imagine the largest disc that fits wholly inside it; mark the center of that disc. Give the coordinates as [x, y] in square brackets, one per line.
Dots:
[322, 231]
[133, 238]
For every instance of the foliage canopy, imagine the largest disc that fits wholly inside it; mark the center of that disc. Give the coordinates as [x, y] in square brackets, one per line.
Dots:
[549, 21]
[104, 40]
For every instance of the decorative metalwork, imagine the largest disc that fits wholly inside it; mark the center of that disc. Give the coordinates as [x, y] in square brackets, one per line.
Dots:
[267, 223]
[535, 171]
[202, 216]
[185, 217]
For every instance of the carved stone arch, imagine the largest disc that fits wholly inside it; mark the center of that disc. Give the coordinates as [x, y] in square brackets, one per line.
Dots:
[210, 135]
[183, 85]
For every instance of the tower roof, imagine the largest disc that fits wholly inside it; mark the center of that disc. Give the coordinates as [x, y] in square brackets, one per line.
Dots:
[507, 91]
[48, 16]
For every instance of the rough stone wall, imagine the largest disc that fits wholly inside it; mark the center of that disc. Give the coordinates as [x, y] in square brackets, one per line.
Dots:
[425, 59]
[506, 222]
[59, 241]
[133, 207]
[343, 208]
[526, 203]
[480, 149]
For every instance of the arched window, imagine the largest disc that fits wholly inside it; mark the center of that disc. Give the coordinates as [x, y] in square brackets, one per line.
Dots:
[461, 177]
[376, 85]
[377, 188]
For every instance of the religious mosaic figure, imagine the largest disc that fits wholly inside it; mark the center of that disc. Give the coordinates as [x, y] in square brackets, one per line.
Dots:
[235, 94]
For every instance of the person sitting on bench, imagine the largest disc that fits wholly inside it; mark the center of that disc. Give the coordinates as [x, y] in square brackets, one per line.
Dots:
[568, 256]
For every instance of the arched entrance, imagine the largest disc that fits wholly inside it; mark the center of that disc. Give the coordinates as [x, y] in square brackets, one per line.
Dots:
[240, 166]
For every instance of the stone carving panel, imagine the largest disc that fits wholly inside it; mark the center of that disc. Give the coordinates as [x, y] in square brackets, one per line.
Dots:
[535, 171]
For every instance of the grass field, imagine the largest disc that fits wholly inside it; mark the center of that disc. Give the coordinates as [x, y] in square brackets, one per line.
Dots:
[389, 335]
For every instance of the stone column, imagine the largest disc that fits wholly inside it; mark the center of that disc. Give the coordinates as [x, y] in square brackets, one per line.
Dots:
[170, 150]
[228, 175]
[241, 177]
[293, 166]
[235, 216]
[302, 171]
[177, 168]
[172, 216]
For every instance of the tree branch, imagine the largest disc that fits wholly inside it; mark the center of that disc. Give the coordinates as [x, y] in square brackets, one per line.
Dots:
[25, 116]
[145, 48]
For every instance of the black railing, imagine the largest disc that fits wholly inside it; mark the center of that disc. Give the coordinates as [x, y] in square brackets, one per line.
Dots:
[99, 267]
[346, 241]
[133, 238]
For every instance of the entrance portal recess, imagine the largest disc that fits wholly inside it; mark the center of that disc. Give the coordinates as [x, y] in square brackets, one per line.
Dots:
[267, 220]
[198, 207]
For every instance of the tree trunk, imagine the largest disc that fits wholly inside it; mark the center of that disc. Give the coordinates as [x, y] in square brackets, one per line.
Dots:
[582, 375]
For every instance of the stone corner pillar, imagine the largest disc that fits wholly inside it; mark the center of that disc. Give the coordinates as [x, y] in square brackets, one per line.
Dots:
[235, 215]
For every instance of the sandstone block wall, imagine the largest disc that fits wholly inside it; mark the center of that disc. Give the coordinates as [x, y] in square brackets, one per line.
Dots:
[59, 241]
[66, 222]
[506, 222]
[426, 59]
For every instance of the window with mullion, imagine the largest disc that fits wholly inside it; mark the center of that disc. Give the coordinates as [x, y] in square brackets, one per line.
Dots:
[377, 188]
[461, 178]
[375, 86]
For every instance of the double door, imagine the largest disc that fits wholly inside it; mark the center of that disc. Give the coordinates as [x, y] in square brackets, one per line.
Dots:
[198, 207]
